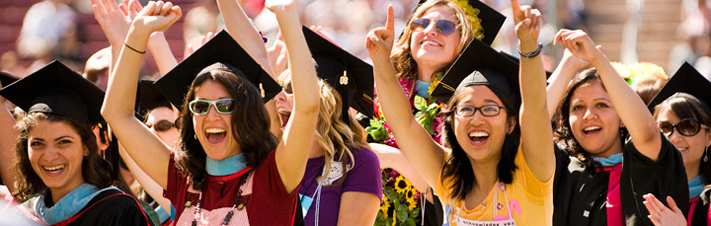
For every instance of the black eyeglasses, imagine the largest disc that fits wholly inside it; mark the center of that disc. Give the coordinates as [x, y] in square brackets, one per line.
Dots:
[687, 127]
[486, 110]
[201, 107]
[162, 125]
[443, 26]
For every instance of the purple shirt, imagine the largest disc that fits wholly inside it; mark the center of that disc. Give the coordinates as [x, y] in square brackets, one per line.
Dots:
[364, 176]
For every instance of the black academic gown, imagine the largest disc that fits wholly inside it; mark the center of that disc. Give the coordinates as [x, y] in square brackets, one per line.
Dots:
[110, 207]
[580, 193]
[700, 215]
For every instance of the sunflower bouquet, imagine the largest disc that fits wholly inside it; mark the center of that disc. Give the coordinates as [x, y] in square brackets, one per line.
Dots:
[401, 201]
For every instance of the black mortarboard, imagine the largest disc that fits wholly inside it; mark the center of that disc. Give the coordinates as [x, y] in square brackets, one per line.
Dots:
[686, 80]
[56, 89]
[491, 20]
[479, 64]
[349, 75]
[7, 79]
[149, 97]
[221, 52]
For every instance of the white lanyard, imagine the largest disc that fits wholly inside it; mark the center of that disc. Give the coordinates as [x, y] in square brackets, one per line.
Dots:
[508, 222]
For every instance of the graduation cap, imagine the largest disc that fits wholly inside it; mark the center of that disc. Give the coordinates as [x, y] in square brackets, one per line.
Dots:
[221, 52]
[149, 97]
[7, 79]
[686, 80]
[479, 64]
[491, 20]
[56, 89]
[349, 75]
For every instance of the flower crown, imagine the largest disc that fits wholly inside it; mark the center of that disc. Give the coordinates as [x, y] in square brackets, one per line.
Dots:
[472, 15]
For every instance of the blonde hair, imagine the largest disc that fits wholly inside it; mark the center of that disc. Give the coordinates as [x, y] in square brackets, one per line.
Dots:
[401, 56]
[334, 137]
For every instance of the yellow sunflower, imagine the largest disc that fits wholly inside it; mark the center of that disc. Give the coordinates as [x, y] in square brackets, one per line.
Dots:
[402, 184]
[410, 198]
[385, 206]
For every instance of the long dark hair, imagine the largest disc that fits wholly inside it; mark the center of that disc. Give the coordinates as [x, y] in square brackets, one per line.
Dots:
[250, 125]
[95, 170]
[684, 106]
[458, 166]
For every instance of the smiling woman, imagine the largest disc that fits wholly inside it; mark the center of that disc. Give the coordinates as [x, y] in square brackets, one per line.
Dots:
[66, 181]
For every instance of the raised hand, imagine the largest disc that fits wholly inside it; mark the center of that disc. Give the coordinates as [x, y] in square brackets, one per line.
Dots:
[278, 56]
[662, 215]
[379, 41]
[114, 19]
[578, 43]
[528, 23]
[203, 39]
[157, 16]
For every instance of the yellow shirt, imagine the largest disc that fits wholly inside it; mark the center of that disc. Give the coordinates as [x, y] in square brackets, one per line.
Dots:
[530, 199]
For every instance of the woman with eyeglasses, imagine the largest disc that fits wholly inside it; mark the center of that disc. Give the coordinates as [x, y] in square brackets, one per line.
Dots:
[436, 34]
[496, 172]
[226, 162]
[615, 154]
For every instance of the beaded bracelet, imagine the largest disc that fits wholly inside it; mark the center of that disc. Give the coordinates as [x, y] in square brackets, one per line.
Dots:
[532, 54]
[135, 50]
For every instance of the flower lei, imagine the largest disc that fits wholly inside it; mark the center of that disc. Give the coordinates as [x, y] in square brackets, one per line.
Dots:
[473, 16]
[401, 201]
[639, 71]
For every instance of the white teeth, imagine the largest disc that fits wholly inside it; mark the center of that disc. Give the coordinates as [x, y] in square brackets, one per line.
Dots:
[214, 130]
[592, 128]
[283, 111]
[54, 168]
[478, 134]
[430, 43]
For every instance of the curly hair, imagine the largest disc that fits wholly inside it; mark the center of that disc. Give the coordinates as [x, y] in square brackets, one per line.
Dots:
[684, 106]
[95, 170]
[457, 165]
[250, 129]
[401, 57]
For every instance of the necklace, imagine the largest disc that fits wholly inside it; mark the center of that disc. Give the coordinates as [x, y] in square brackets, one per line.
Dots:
[238, 204]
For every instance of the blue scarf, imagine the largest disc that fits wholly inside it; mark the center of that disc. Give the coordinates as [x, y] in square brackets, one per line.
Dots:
[609, 161]
[423, 88]
[227, 166]
[696, 186]
[69, 205]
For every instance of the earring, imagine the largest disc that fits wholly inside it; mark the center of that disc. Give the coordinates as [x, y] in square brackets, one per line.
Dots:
[706, 154]
[195, 136]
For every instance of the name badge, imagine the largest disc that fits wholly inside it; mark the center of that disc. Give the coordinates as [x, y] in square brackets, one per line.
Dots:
[466, 222]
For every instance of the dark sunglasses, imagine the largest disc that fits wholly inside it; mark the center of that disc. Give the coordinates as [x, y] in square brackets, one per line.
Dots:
[162, 125]
[201, 107]
[287, 89]
[687, 127]
[443, 26]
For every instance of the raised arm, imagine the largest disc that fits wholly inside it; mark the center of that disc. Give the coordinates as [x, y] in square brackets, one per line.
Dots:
[536, 132]
[559, 80]
[8, 137]
[150, 153]
[298, 138]
[631, 109]
[414, 141]
[245, 34]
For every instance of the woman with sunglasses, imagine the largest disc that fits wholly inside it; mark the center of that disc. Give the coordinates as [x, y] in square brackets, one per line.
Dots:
[496, 170]
[436, 34]
[683, 116]
[607, 172]
[226, 160]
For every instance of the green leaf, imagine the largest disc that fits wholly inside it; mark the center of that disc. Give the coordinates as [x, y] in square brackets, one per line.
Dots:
[402, 214]
[420, 103]
[415, 213]
[410, 222]
[374, 122]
